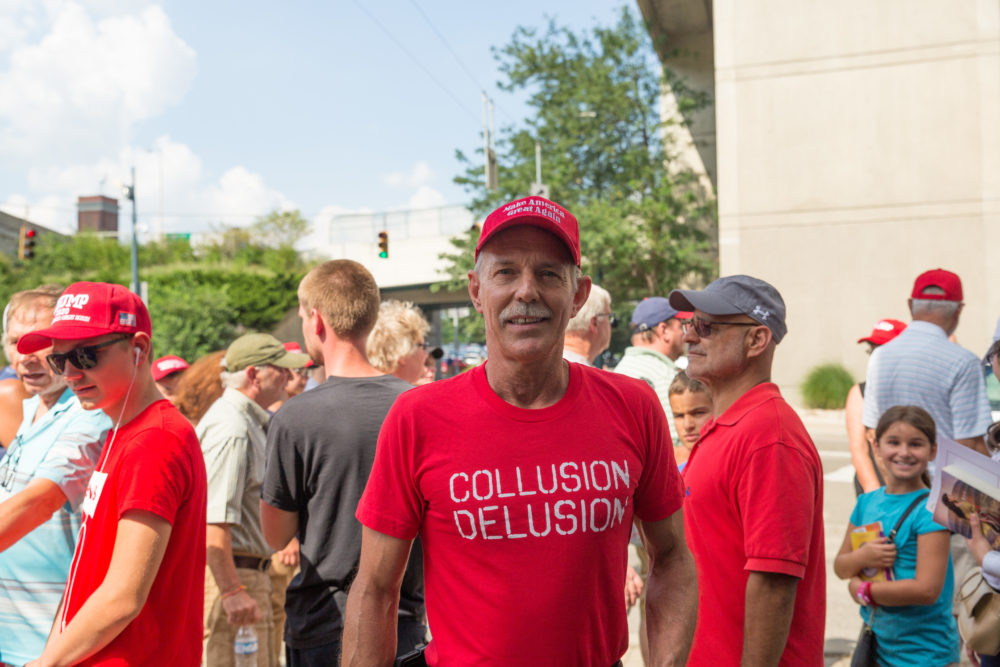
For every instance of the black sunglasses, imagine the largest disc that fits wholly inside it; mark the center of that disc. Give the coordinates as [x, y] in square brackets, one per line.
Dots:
[612, 320]
[83, 358]
[704, 327]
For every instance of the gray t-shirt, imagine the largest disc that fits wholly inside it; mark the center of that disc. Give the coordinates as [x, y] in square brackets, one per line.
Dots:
[320, 450]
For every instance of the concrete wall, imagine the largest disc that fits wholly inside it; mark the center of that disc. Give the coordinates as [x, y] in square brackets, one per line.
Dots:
[858, 144]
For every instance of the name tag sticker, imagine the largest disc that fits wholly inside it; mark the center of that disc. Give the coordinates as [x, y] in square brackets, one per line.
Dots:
[93, 494]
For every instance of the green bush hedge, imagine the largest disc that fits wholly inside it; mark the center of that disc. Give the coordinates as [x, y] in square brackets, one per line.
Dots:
[826, 387]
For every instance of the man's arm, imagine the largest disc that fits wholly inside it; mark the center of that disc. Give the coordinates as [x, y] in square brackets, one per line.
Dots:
[27, 509]
[977, 444]
[770, 603]
[373, 603]
[671, 591]
[139, 547]
[278, 525]
[240, 608]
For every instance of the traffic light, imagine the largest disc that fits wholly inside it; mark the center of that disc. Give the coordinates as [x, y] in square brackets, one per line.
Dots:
[383, 245]
[26, 243]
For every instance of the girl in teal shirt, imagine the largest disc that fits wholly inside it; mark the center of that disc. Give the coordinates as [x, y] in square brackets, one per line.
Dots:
[913, 624]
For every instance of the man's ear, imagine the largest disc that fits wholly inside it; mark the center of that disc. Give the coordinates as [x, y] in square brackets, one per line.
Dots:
[582, 292]
[474, 285]
[251, 374]
[757, 341]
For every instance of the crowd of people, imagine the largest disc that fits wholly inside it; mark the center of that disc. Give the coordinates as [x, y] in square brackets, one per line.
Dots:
[336, 499]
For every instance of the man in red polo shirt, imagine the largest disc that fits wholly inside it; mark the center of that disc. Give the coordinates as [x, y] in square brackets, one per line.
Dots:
[754, 488]
[136, 586]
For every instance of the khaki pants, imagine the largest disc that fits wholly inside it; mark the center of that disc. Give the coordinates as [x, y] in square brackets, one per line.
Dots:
[219, 635]
[281, 575]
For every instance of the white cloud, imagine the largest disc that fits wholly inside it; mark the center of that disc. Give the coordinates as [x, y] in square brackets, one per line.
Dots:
[169, 179]
[420, 174]
[82, 87]
[427, 197]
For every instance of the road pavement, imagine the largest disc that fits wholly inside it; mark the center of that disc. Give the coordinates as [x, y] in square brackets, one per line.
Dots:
[842, 620]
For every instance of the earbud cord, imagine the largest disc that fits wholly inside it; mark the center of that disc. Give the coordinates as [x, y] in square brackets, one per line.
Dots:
[114, 434]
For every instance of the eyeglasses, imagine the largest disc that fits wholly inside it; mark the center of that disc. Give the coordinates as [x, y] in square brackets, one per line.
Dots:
[612, 320]
[83, 358]
[704, 327]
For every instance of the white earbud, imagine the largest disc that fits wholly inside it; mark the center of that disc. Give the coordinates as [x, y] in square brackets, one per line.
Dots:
[137, 353]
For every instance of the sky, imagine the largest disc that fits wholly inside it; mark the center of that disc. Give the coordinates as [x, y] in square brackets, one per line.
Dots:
[228, 110]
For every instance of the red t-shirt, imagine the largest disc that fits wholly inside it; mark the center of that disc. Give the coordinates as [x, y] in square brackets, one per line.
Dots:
[754, 502]
[524, 515]
[154, 463]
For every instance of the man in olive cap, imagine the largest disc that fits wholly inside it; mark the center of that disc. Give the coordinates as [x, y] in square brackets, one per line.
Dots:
[753, 488]
[233, 434]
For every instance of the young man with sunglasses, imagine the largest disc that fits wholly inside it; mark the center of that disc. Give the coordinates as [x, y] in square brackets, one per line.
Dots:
[136, 586]
[42, 482]
[754, 488]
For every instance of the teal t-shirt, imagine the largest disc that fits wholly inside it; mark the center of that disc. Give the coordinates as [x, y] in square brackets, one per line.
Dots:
[914, 635]
[63, 447]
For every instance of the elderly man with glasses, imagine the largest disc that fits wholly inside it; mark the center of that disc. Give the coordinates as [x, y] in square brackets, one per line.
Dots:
[588, 333]
[753, 488]
[42, 482]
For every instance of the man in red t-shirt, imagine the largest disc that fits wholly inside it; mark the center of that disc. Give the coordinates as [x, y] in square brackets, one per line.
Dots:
[522, 478]
[754, 488]
[136, 586]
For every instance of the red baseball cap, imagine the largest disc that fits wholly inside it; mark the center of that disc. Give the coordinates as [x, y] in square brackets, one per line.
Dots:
[538, 212]
[292, 346]
[947, 281]
[883, 332]
[164, 366]
[86, 310]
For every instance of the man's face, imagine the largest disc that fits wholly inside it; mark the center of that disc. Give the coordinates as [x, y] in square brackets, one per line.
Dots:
[721, 354]
[604, 330]
[31, 369]
[297, 379]
[168, 385]
[105, 385]
[525, 293]
[272, 381]
[309, 336]
[673, 338]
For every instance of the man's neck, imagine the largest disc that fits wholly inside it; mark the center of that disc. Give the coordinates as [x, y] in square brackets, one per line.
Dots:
[531, 386]
[580, 346]
[143, 394]
[655, 346]
[940, 322]
[347, 359]
[729, 391]
[46, 401]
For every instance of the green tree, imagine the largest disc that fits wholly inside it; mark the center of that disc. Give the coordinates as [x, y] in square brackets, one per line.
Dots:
[645, 224]
[200, 297]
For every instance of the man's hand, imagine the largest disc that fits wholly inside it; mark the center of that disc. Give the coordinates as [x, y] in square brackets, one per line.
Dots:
[877, 553]
[289, 556]
[633, 587]
[241, 609]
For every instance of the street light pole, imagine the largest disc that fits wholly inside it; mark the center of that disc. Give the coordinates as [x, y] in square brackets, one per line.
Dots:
[130, 190]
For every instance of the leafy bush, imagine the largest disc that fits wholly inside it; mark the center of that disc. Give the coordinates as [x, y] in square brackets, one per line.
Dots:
[826, 387]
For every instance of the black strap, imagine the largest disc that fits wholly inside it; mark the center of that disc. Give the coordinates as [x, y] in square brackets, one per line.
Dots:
[916, 501]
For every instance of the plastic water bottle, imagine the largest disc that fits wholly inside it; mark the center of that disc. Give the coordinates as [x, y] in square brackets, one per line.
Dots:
[245, 646]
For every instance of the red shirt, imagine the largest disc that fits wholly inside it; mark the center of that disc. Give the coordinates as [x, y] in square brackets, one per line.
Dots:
[153, 463]
[524, 515]
[754, 502]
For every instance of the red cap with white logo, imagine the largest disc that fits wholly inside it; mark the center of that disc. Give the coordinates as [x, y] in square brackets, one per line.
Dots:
[86, 310]
[538, 212]
[168, 365]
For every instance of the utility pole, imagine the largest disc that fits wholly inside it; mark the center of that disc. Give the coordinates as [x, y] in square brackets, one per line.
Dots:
[130, 194]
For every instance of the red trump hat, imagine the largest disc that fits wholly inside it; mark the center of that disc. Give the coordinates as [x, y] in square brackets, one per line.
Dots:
[538, 212]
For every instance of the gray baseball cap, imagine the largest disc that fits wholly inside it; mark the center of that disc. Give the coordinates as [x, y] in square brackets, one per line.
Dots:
[736, 295]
